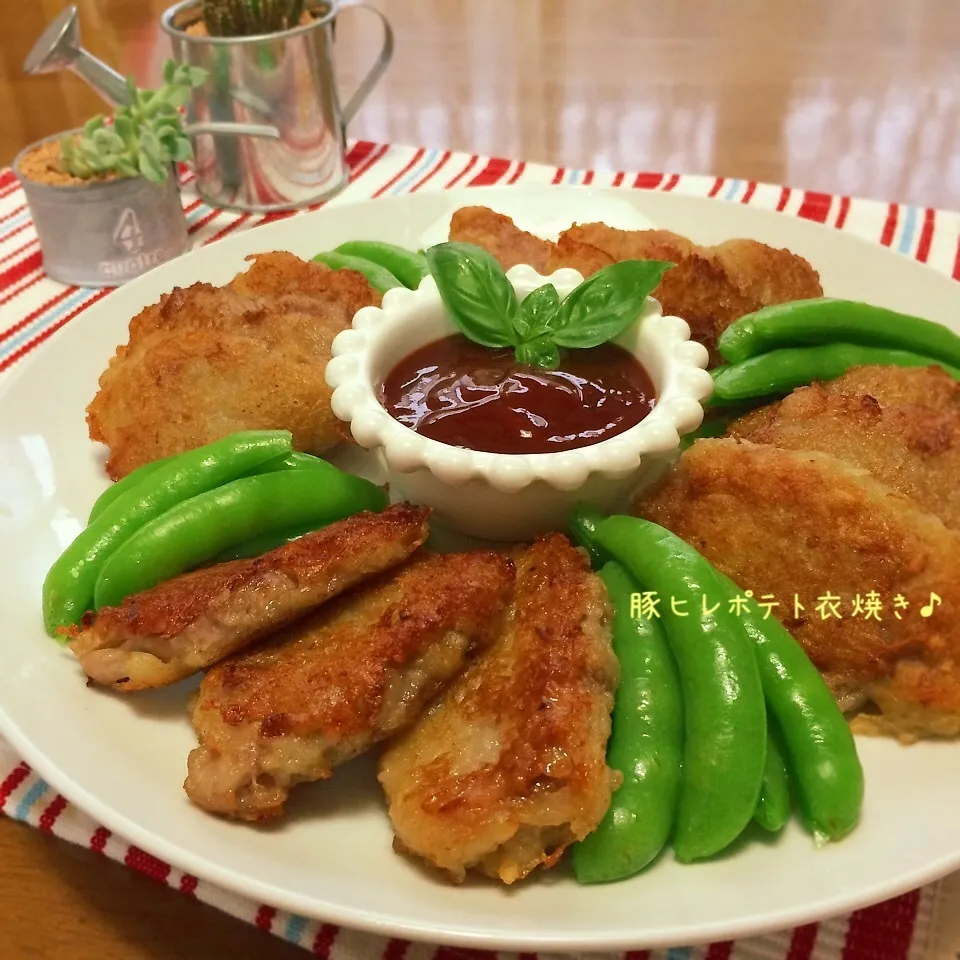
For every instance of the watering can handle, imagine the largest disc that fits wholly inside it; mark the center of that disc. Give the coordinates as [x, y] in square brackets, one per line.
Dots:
[376, 71]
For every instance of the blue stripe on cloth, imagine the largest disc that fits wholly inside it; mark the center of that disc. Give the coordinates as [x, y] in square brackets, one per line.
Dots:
[573, 176]
[29, 799]
[43, 321]
[732, 190]
[403, 185]
[295, 927]
[909, 228]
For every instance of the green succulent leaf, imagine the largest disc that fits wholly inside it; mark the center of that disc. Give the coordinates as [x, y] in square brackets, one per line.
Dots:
[196, 76]
[127, 167]
[181, 151]
[151, 169]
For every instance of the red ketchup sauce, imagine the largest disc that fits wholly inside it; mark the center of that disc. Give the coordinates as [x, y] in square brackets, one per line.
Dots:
[458, 392]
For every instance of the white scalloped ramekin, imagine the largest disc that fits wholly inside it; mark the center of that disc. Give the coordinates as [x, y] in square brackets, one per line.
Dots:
[500, 496]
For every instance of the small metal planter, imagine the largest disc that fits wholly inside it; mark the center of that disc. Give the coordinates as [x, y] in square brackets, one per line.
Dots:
[105, 233]
[284, 80]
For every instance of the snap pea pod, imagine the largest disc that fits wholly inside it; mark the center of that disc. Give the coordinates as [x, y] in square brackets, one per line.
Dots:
[820, 749]
[828, 320]
[377, 277]
[779, 371]
[725, 716]
[406, 265]
[773, 807]
[198, 529]
[127, 483]
[582, 526]
[295, 461]
[645, 745]
[69, 587]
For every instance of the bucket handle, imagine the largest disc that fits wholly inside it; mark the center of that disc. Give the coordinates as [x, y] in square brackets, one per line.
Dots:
[376, 71]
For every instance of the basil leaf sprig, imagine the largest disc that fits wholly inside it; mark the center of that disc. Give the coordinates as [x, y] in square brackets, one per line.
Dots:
[484, 306]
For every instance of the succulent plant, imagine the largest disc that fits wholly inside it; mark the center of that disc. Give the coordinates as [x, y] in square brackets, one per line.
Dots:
[242, 18]
[146, 135]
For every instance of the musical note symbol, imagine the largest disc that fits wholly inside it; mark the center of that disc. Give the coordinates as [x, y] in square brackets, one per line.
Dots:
[927, 609]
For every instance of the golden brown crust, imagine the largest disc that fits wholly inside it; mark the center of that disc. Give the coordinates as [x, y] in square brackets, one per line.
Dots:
[168, 632]
[499, 236]
[509, 766]
[330, 686]
[930, 387]
[207, 361]
[800, 524]
[913, 449]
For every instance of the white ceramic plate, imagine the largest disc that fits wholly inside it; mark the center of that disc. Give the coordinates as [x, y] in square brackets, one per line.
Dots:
[122, 759]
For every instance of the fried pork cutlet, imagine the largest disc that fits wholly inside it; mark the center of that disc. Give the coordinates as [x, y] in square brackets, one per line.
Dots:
[508, 767]
[709, 287]
[930, 387]
[327, 688]
[207, 361]
[164, 634]
[797, 527]
[500, 236]
[914, 450]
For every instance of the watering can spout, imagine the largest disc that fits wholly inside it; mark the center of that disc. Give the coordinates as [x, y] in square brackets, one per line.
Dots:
[59, 49]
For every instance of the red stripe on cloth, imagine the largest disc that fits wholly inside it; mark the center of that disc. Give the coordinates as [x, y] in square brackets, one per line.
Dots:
[362, 168]
[413, 162]
[618, 179]
[844, 211]
[9, 188]
[358, 153]
[802, 942]
[19, 250]
[49, 816]
[815, 206]
[750, 191]
[784, 198]
[396, 949]
[926, 235]
[188, 885]
[470, 165]
[264, 918]
[671, 182]
[13, 780]
[720, 951]
[637, 955]
[558, 176]
[7, 177]
[956, 263]
[885, 930]
[715, 189]
[13, 212]
[99, 839]
[22, 351]
[30, 317]
[205, 219]
[496, 167]
[443, 160]
[323, 941]
[147, 864]
[20, 271]
[647, 181]
[23, 288]
[588, 178]
[23, 226]
[890, 225]
[223, 231]
[518, 173]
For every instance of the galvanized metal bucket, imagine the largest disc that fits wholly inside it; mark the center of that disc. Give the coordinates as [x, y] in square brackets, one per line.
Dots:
[282, 79]
[104, 233]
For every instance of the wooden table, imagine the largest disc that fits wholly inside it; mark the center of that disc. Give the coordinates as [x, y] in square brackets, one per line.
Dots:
[850, 96]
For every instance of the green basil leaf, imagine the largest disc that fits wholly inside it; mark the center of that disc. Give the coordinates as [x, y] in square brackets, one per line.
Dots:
[476, 292]
[538, 311]
[540, 352]
[602, 307]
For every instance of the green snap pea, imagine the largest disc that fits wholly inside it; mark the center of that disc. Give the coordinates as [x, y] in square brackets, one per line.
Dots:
[127, 483]
[646, 745]
[196, 530]
[378, 278]
[827, 320]
[780, 371]
[69, 587]
[295, 461]
[582, 526]
[725, 716]
[265, 542]
[773, 807]
[406, 265]
[820, 749]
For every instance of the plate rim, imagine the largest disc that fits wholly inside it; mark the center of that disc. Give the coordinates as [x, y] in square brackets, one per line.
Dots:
[367, 920]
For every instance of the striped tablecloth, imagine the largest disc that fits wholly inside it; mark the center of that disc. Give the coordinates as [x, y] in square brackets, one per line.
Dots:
[917, 926]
